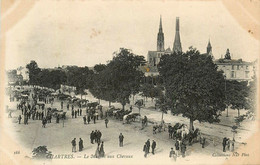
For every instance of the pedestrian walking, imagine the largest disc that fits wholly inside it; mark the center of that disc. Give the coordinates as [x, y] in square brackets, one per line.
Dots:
[85, 120]
[80, 144]
[19, 119]
[121, 140]
[148, 145]
[73, 142]
[80, 111]
[106, 122]
[153, 146]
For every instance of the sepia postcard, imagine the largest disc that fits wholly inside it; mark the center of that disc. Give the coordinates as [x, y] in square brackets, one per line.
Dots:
[129, 82]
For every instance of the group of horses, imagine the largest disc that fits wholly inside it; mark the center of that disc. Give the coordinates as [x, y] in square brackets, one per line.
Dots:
[181, 132]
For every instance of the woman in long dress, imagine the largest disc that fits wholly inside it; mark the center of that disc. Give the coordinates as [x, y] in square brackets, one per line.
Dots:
[97, 155]
[101, 152]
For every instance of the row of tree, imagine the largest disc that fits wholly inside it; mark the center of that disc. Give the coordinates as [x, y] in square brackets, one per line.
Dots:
[190, 84]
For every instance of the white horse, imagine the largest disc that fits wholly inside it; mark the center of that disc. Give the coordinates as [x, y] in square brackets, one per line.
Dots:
[183, 131]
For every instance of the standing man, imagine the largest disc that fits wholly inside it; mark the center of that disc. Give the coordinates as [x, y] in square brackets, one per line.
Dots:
[106, 122]
[76, 113]
[43, 123]
[224, 144]
[177, 147]
[203, 142]
[183, 149]
[145, 150]
[61, 105]
[80, 144]
[92, 137]
[19, 119]
[68, 106]
[88, 119]
[121, 139]
[94, 118]
[153, 146]
[72, 113]
[148, 145]
[80, 111]
[73, 142]
[85, 119]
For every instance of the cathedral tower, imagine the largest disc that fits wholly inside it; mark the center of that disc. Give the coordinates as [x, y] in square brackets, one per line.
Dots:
[160, 37]
[177, 40]
[209, 49]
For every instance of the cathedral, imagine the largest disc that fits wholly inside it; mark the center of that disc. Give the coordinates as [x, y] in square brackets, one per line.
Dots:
[238, 70]
[153, 57]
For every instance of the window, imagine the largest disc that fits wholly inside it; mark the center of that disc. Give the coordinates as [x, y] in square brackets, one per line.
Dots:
[233, 74]
[246, 67]
[247, 74]
[237, 67]
[233, 67]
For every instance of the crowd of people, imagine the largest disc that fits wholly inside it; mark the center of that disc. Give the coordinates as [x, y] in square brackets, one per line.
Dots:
[34, 111]
[95, 136]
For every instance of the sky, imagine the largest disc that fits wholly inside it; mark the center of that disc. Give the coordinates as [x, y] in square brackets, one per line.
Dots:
[85, 33]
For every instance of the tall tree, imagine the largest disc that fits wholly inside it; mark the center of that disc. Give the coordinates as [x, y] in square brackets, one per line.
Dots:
[120, 77]
[237, 93]
[34, 70]
[193, 86]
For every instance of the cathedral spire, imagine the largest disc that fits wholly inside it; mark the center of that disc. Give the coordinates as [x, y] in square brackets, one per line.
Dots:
[160, 37]
[160, 27]
[209, 48]
[177, 40]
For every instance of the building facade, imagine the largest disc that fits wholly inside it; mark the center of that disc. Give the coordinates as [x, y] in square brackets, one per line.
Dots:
[238, 70]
